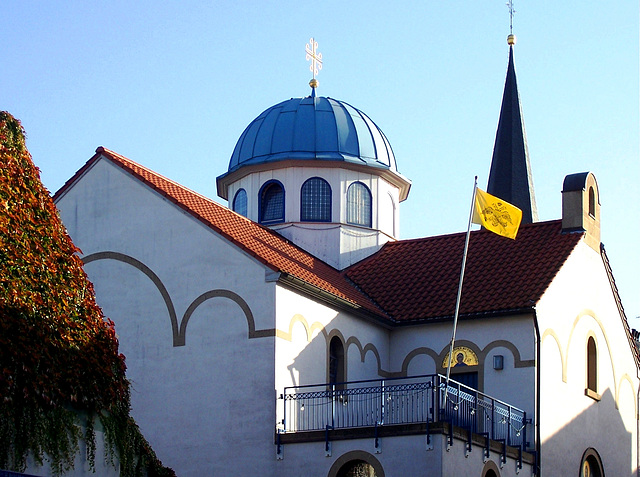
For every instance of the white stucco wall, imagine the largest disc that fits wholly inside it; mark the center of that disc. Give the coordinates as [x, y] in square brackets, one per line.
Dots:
[211, 401]
[398, 457]
[305, 327]
[580, 304]
[422, 350]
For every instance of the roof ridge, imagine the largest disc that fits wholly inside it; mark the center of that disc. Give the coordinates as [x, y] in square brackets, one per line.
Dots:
[432, 237]
[102, 149]
[122, 158]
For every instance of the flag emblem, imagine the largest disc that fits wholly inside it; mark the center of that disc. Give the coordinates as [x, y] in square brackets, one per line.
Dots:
[496, 215]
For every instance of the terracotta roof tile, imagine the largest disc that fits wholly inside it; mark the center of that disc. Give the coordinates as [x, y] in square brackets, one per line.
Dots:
[262, 243]
[418, 279]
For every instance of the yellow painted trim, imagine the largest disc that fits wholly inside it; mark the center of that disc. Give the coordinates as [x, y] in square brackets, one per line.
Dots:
[309, 329]
[592, 314]
[564, 355]
[629, 379]
[550, 332]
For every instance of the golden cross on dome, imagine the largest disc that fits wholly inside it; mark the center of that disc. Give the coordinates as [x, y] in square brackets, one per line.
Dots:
[314, 56]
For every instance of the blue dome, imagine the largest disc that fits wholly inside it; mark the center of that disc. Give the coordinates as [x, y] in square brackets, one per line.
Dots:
[313, 128]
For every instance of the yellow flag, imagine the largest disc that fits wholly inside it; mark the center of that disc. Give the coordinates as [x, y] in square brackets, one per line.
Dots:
[496, 215]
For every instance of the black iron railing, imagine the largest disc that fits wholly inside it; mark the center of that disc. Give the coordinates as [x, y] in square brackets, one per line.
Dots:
[416, 399]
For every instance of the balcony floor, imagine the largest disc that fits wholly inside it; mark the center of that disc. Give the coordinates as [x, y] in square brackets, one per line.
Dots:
[459, 434]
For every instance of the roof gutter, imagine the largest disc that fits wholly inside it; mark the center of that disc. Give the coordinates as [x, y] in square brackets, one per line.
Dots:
[381, 318]
[394, 177]
[483, 314]
[538, 381]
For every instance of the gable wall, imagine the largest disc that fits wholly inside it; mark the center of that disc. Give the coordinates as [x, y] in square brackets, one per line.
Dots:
[195, 388]
[580, 304]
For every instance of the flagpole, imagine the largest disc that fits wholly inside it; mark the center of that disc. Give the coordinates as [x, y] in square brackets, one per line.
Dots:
[455, 316]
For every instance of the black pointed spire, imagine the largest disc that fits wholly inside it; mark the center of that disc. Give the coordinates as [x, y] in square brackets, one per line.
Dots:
[510, 177]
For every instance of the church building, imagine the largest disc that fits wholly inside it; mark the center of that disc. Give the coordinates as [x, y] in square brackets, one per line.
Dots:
[294, 333]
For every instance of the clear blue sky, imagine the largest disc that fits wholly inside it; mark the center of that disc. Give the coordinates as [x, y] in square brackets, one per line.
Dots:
[172, 85]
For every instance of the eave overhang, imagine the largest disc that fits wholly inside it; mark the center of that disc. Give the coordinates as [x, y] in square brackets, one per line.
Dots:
[394, 178]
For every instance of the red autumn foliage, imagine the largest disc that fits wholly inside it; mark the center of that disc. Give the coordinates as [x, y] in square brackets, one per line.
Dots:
[56, 348]
[58, 354]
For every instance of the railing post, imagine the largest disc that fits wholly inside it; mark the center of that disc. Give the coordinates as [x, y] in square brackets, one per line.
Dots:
[327, 442]
[333, 406]
[382, 401]
[459, 421]
[509, 428]
[284, 410]
[524, 430]
[441, 414]
[278, 445]
[493, 419]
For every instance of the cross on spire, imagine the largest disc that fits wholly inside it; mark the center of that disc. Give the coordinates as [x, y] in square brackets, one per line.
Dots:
[511, 13]
[314, 56]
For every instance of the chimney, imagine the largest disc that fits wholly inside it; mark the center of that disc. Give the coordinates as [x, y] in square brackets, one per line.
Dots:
[581, 207]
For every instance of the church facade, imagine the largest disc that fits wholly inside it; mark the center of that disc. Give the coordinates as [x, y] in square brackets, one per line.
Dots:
[294, 334]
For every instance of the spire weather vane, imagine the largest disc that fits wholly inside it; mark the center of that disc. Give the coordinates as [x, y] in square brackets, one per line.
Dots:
[314, 56]
[511, 13]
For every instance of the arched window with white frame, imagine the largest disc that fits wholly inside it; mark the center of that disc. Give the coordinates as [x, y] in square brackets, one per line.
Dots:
[271, 203]
[315, 201]
[359, 205]
[240, 202]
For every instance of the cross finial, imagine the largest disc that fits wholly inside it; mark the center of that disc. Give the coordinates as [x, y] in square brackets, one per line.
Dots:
[511, 13]
[316, 62]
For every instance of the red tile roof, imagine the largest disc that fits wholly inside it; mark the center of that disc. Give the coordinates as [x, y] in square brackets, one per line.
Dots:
[418, 279]
[265, 245]
[406, 280]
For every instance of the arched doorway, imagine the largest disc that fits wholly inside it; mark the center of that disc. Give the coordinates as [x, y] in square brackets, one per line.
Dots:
[490, 470]
[356, 464]
[591, 465]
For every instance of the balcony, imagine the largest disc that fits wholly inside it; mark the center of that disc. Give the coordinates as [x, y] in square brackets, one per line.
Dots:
[399, 406]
